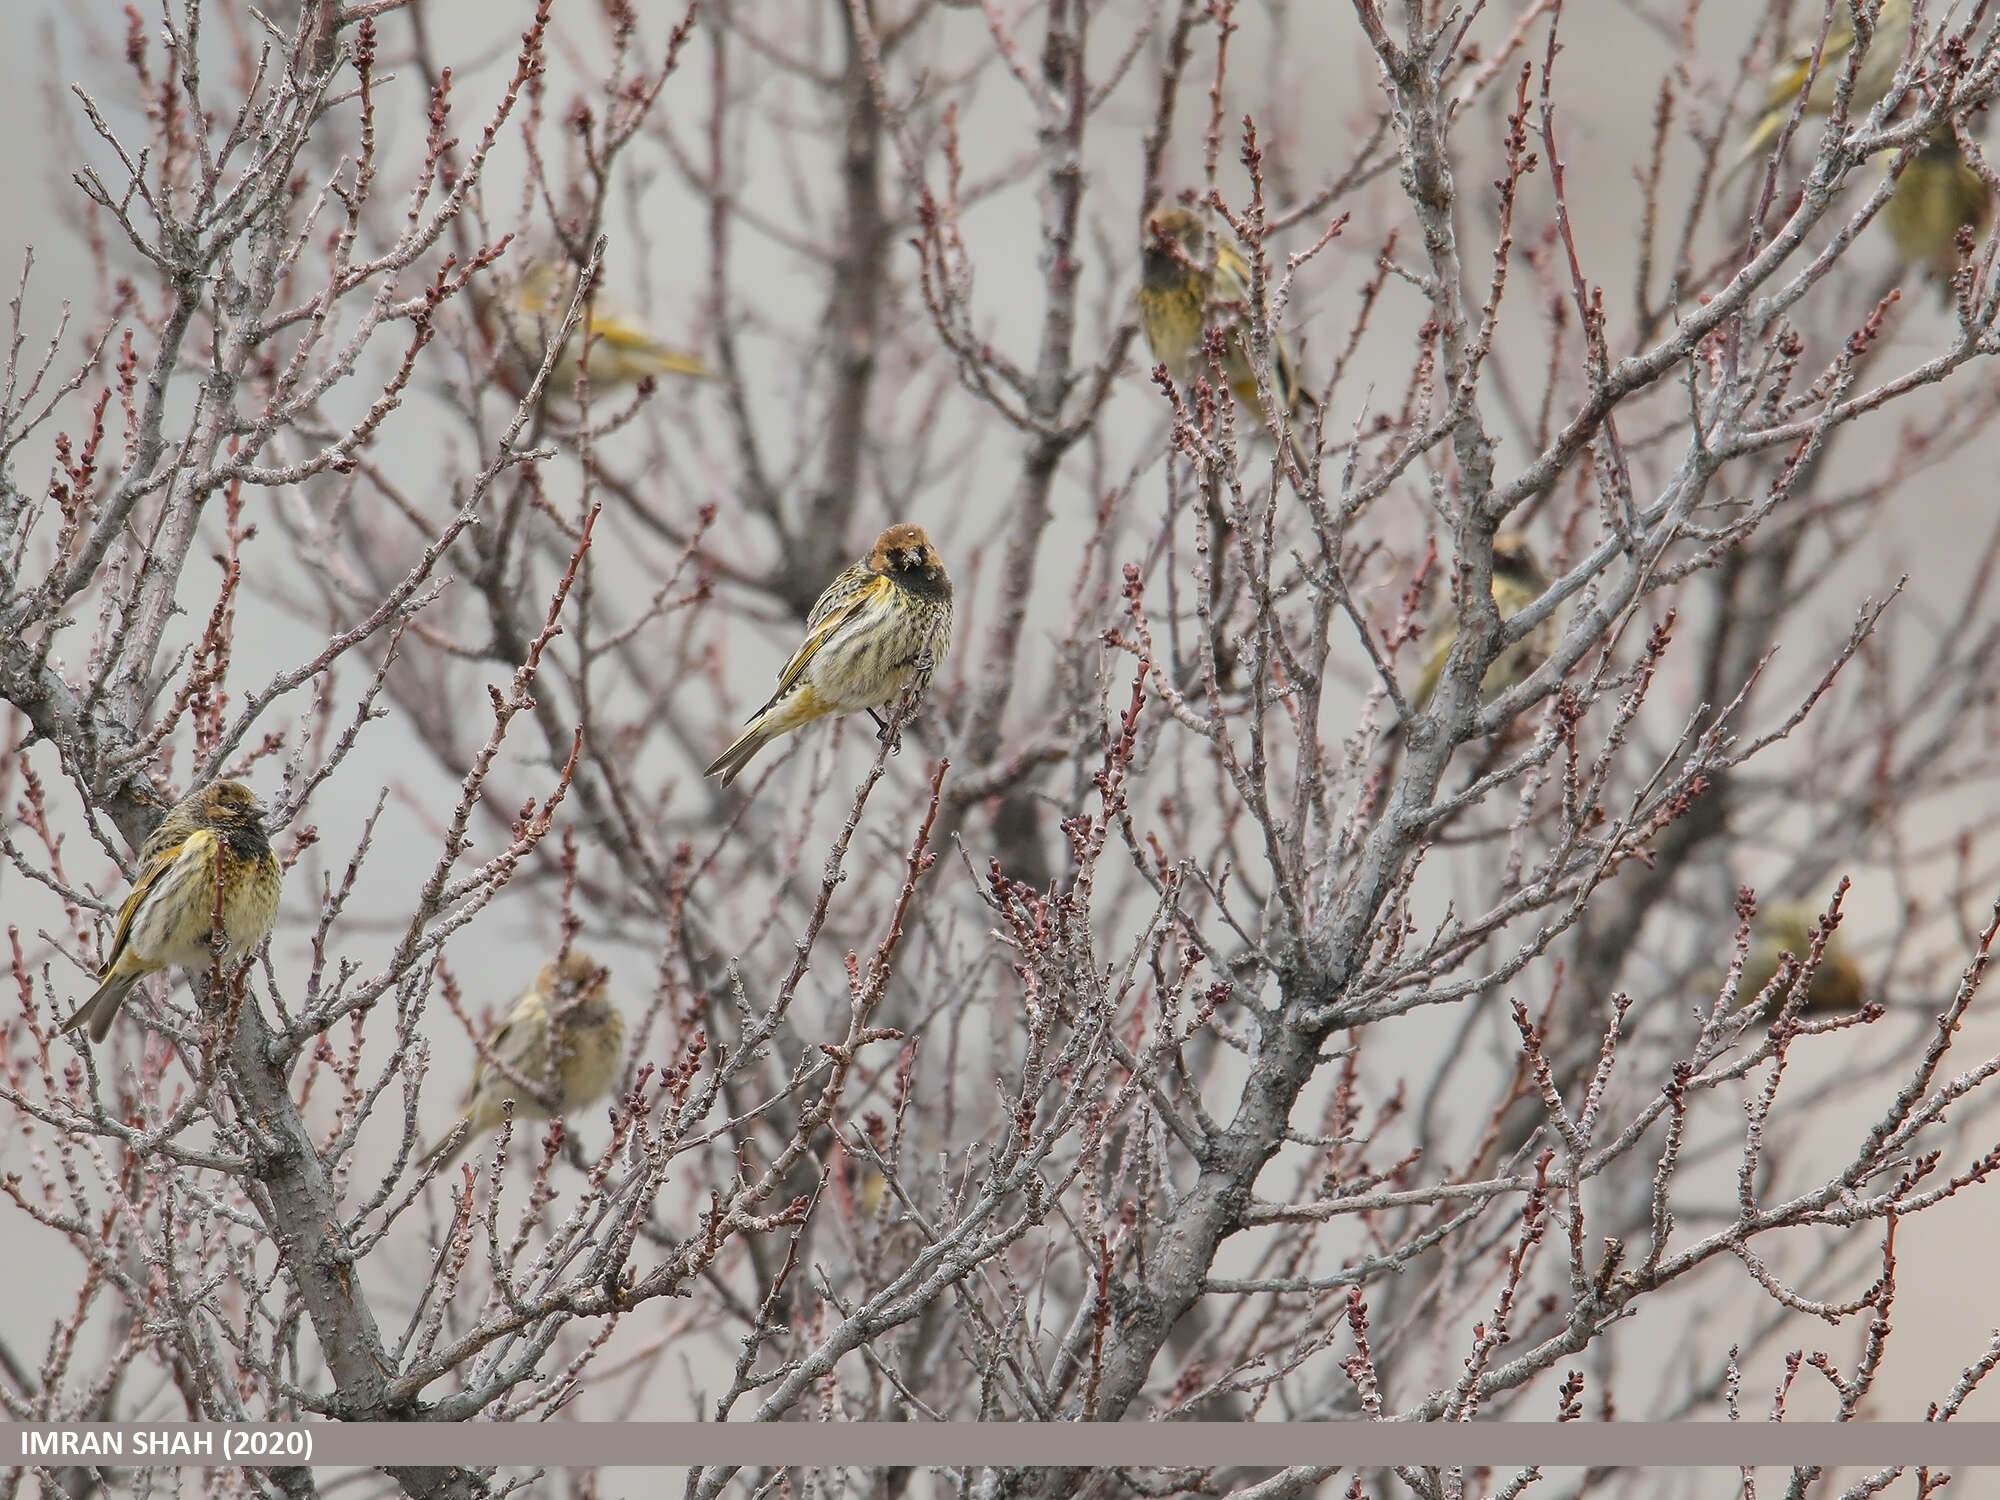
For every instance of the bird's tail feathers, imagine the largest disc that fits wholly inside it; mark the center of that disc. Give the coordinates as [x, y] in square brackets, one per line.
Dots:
[661, 360]
[448, 1147]
[731, 762]
[1754, 148]
[102, 1006]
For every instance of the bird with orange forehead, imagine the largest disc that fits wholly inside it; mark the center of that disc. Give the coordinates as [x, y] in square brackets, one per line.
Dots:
[1518, 581]
[211, 840]
[555, 1051]
[1183, 289]
[882, 625]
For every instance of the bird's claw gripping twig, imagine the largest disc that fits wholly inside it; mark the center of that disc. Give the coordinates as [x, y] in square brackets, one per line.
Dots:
[882, 734]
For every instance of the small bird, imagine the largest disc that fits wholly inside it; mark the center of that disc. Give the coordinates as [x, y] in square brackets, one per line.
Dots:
[1518, 581]
[568, 999]
[168, 920]
[1890, 41]
[1181, 291]
[1939, 193]
[622, 351]
[864, 641]
[1787, 927]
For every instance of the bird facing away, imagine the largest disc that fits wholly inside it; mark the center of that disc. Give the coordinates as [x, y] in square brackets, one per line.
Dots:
[1939, 193]
[1787, 927]
[168, 920]
[1181, 292]
[1518, 581]
[622, 350]
[864, 641]
[1878, 70]
[568, 1001]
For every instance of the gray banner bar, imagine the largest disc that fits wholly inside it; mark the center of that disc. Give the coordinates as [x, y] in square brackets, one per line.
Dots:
[1137, 1444]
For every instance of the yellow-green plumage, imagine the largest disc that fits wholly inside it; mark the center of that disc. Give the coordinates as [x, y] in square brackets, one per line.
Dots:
[864, 639]
[566, 1002]
[1518, 581]
[622, 350]
[168, 921]
[1788, 927]
[1878, 70]
[1182, 290]
[1939, 193]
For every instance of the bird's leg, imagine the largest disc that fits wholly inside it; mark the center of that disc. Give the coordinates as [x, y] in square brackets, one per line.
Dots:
[882, 733]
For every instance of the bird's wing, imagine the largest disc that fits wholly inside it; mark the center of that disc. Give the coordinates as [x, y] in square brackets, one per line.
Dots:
[618, 331]
[850, 594]
[545, 287]
[838, 593]
[1512, 595]
[166, 836]
[1427, 679]
[495, 1046]
[160, 872]
[1232, 275]
[1790, 75]
[1232, 284]
[612, 327]
[480, 1067]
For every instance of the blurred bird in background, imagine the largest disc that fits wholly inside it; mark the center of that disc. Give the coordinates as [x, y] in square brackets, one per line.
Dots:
[1939, 193]
[1518, 581]
[529, 315]
[1182, 290]
[562, 1038]
[214, 835]
[1891, 39]
[864, 640]
[1788, 927]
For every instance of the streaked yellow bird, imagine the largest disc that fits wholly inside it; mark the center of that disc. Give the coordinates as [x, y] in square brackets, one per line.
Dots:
[622, 350]
[1787, 927]
[562, 1038]
[1939, 193]
[1183, 290]
[865, 639]
[1890, 41]
[1518, 581]
[215, 834]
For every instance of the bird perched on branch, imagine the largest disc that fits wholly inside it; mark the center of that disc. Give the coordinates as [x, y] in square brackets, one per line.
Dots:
[1518, 581]
[1788, 927]
[211, 840]
[1183, 290]
[561, 1040]
[1887, 44]
[622, 350]
[881, 625]
[1939, 193]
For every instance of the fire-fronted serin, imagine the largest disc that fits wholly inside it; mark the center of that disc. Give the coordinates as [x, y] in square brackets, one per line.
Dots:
[1182, 289]
[214, 836]
[1518, 581]
[562, 1039]
[881, 625]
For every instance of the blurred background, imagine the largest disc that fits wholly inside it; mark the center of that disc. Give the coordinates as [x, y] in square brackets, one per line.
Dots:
[743, 104]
